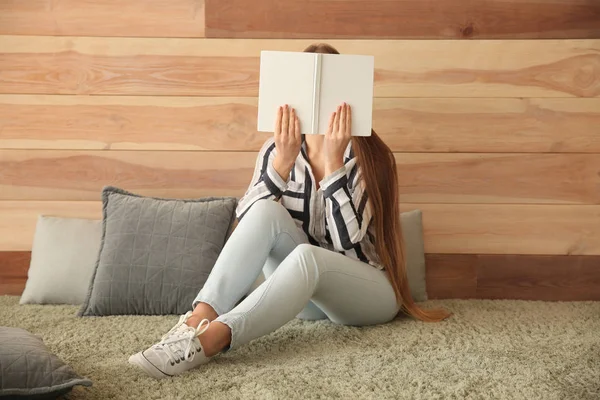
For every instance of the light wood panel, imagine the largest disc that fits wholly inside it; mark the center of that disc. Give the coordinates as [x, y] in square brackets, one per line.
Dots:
[448, 228]
[499, 178]
[223, 123]
[518, 277]
[129, 123]
[80, 175]
[153, 18]
[510, 229]
[423, 177]
[403, 19]
[18, 219]
[226, 67]
[489, 125]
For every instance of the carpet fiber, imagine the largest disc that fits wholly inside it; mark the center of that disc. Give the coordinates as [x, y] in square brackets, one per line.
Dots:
[486, 350]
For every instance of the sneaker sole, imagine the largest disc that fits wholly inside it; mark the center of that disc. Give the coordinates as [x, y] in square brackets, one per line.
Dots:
[141, 362]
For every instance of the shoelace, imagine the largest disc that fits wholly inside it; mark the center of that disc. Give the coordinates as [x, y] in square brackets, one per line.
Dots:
[177, 339]
[181, 321]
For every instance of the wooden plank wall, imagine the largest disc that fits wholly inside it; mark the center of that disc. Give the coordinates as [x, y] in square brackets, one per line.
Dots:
[496, 139]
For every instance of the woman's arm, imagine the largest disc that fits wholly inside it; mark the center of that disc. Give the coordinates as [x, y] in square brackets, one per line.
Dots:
[348, 211]
[274, 162]
[266, 182]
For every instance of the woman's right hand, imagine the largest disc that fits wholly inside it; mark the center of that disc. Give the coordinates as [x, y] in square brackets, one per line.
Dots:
[288, 140]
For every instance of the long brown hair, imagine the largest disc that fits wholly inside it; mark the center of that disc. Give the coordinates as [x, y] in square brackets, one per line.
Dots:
[380, 177]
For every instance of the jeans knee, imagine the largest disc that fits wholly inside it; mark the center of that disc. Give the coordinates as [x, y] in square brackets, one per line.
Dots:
[304, 249]
[304, 258]
[265, 209]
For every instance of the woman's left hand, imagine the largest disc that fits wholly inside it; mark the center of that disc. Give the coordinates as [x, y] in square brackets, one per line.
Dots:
[337, 138]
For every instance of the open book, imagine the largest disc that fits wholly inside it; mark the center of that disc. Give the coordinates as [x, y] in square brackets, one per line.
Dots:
[314, 85]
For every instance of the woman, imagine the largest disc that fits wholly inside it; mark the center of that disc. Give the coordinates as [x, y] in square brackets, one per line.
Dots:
[321, 218]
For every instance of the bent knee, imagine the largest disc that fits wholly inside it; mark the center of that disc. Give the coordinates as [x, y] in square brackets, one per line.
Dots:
[266, 208]
[302, 259]
[308, 254]
[305, 249]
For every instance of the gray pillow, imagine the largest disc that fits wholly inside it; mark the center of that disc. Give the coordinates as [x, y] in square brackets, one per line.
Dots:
[155, 254]
[30, 370]
[63, 258]
[412, 233]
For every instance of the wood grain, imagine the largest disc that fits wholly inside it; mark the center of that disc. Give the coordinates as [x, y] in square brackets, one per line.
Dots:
[563, 278]
[403, 19]
[80, 175]
[517, 277]
[13, 271]
[489, 125]
[129, 123]
[153, 18]
[448, 228]
[510, 228]
[229, 124]
[499, 178]
[227, 67]
[18, 219]
[449, 276]
[423, 177]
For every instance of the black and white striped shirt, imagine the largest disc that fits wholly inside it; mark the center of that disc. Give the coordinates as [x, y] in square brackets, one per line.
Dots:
[336, 216]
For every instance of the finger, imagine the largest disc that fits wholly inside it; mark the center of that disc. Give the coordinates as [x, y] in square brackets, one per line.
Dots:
[330, 124]
[336, 121]
[285, 120]
[278, 121]
[292, 122]
[343, 120]
[349, 120]
[297, 134]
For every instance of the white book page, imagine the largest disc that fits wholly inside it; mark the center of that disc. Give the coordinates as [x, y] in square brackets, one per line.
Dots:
[347, 78]
[285, 78]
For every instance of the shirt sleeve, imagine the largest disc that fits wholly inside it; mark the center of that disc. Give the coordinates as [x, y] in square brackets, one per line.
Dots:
[348, 211]
[266, 182]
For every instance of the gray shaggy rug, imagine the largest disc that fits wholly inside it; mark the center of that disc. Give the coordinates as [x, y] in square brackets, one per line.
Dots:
[489, 349]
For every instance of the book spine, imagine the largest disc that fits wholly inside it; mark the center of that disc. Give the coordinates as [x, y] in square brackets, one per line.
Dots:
[316, 94]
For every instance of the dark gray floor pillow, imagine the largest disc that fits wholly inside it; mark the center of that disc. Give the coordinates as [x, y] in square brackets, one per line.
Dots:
[155, 253]
[28, 370]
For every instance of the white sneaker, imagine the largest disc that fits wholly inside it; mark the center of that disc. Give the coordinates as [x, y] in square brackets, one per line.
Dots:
[179, 350]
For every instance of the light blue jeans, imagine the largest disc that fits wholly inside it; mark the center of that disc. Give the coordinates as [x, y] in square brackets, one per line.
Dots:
[302, 280]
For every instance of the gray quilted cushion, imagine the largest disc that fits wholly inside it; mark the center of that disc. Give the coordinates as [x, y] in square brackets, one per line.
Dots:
[30, 370]
[155, 253]
[411, 223]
